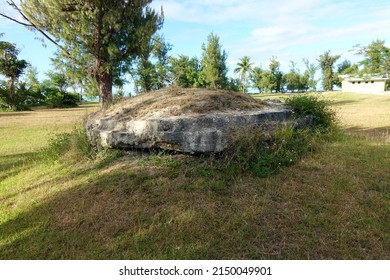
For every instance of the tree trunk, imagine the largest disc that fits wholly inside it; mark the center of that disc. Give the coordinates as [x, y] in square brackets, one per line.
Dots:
[104, 81]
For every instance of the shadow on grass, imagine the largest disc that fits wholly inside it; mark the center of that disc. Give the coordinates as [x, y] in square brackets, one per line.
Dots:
[116, 216]
[11, 165]
[153, 212]
[380, 133]
[15, 114]
[343, 102]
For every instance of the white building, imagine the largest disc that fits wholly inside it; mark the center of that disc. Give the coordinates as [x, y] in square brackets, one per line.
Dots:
[365, 84]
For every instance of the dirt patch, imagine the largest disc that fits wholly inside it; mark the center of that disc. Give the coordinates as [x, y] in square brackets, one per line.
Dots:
[177, 101]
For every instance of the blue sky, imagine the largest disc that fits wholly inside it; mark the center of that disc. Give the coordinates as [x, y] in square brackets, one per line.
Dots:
[289, 30]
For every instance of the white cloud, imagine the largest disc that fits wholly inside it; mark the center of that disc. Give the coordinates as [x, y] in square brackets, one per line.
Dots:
[283, 27]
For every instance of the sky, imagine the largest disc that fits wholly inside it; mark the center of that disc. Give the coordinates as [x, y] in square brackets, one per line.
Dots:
[289, 30]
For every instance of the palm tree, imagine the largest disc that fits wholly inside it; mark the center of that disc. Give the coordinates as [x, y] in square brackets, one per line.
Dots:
[244, 66]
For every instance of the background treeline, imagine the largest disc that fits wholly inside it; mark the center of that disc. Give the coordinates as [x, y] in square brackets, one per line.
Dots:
[155, 68]
[21, 94]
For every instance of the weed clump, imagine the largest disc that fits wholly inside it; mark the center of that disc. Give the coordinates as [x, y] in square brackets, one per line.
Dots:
[75, 146]
[265, 151]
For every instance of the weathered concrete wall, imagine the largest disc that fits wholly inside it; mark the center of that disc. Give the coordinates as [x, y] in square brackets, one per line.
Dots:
[204, 133]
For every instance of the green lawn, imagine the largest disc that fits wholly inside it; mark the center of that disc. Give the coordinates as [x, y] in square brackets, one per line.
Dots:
[333, 204]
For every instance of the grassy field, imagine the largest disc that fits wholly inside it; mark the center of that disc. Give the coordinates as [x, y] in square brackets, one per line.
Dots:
[332, 204]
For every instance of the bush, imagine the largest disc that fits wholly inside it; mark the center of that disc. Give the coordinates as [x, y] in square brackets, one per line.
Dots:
[18, 102]
[264, 151]
[58, 99]
[324, 117]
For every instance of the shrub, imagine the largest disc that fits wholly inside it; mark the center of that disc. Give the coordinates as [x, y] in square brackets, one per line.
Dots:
[324, 117]
[18, 102]
[58, 99]
[264, 150]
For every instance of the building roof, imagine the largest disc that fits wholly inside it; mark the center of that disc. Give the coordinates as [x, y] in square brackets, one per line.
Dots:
[365, 78]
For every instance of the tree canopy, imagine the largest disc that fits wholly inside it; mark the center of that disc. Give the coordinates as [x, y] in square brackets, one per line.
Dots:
[327, 63]
[376, 57]
[244, 67]
[12, 68]
[214, 69]
[100, 36]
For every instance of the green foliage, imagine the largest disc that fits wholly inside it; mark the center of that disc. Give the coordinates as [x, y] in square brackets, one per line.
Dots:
[271, 80]
[244, 67]
[376, 57]
[324, 117]
[100, 37]
[75, 75]
[265, 149]
[151, 72]
[12, 68]
[294, 80]
[276, 76]
[346, 68]
[184, 71]
[310, 73]
[256, 77]
[72, 145]
[327, 62]
[34, 87]
[55, 91]
[214, 68]
[256, 150]
[234, 85]
[10, 65]
[58, 99]
[22, 98]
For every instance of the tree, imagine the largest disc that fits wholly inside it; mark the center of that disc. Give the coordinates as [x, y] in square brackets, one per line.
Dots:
[295, 81]
[256, 77]
[184, 71]
[293, 78]
[376, 57]
[106, 33]
[75, 75]
[326, 62]
[346, 68]
[234, 85]
[151, 72]
[12, 68]
[32, 78]
[276, 76]
[160, 51]
[310, 73]
[244, 66]
[55, 90]
[34, 87]
[214, 69]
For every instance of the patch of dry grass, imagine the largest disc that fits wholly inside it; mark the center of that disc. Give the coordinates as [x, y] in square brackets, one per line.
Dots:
[365, 115]
[177, 101]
